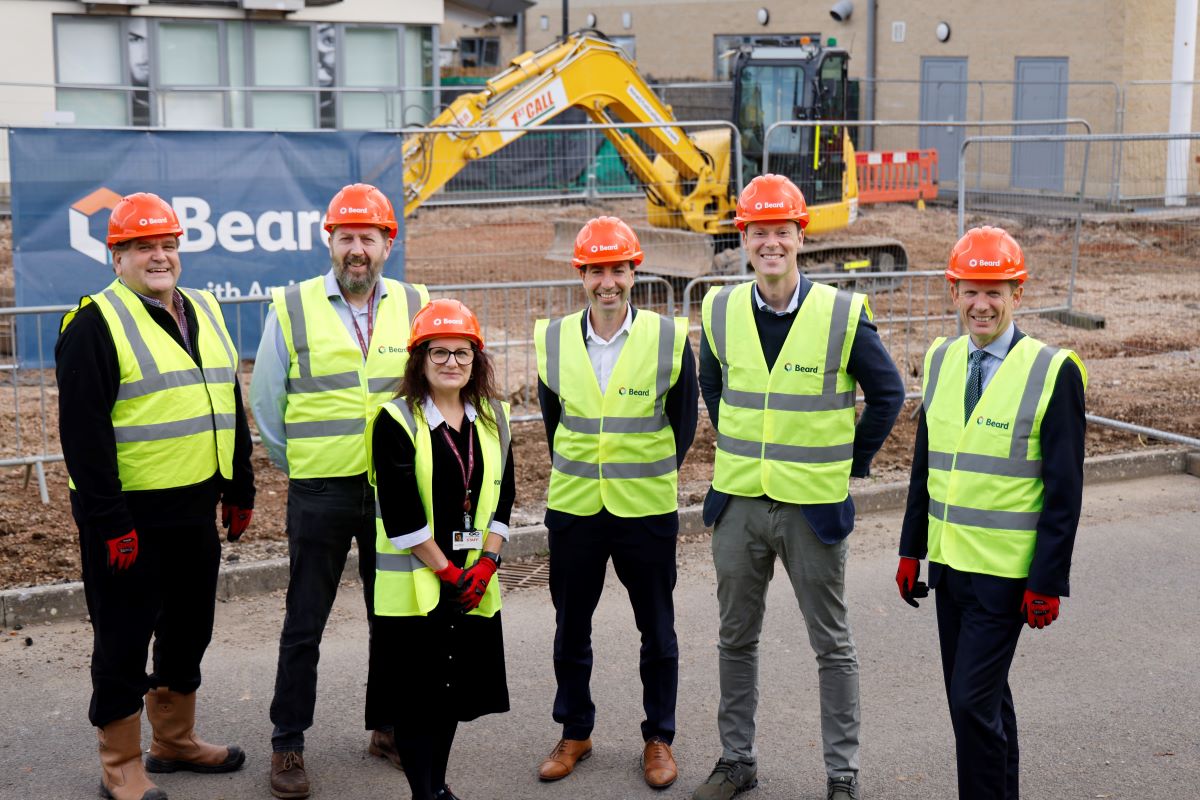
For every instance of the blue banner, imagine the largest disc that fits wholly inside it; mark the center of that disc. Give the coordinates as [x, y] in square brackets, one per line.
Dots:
[251, 204]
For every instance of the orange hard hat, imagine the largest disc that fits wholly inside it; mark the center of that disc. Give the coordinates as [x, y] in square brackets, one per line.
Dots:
[987, 254]
[444, 318]
[771, 198]
[141, 214]
[606, 240]
[361, 204]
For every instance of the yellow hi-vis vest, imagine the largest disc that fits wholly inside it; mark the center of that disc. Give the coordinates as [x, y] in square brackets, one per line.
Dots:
[404, 586]
[787, 433]
[174, 422]
[985, 477]
[331, 393]
[614, 450]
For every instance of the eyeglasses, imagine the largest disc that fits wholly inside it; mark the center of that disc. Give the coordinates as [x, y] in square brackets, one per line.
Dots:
[440, 355]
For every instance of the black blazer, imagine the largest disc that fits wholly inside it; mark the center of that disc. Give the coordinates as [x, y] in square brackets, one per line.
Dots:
[1062, 433]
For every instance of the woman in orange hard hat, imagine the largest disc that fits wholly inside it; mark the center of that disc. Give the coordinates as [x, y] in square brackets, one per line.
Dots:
[440, 459]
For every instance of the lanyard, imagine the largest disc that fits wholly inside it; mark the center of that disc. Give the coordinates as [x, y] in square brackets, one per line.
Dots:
[468, 468]
[370, 326]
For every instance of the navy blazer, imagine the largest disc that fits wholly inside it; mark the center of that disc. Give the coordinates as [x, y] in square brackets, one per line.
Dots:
[1062, 433]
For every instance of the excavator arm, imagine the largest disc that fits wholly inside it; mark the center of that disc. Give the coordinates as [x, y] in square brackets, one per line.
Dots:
[595, 75]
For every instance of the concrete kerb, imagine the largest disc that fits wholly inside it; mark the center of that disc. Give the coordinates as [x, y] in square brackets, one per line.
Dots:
[66, 601]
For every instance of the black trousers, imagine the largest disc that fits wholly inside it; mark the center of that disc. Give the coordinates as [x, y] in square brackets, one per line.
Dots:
[977, 643]
[645, 564]
[323, 516]
[169, 594]
[424, 748]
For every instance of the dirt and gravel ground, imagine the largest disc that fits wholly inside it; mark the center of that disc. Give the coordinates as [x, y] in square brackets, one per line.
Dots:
[1143, 365]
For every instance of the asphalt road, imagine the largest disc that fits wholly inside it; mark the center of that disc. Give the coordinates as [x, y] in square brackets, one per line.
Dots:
[1108, 698]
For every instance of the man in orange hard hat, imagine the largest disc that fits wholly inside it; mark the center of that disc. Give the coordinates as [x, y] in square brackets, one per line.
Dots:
[333, 350]
[779, 360]
[994, 499]
[154, 436]
[617, 387]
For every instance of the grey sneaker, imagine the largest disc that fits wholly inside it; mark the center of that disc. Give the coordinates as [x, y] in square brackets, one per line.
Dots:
[841, 788]
[727, 779]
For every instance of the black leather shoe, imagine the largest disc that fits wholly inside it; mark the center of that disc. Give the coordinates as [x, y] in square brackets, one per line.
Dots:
[444, 793]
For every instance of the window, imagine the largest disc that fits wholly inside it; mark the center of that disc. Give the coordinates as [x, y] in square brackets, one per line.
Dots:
[189, 55]
[192, 73]
[90, 52]
[479, 51]
[419, 76]
[372, 60]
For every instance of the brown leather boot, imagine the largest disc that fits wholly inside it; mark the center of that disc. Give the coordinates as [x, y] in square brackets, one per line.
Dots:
[175, 745]
[123, 776]
[288, 778]
[563, 758]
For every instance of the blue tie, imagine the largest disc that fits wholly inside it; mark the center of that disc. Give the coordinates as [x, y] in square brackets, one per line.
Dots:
[974, 384]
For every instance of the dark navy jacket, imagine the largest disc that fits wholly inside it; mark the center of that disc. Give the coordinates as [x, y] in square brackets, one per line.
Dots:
[882, 387]
[1062, 434]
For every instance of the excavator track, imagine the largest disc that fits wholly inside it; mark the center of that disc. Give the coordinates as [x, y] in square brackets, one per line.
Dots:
[859, 256]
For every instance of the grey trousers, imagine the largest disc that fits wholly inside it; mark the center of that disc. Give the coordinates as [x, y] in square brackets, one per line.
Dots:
[747, 537]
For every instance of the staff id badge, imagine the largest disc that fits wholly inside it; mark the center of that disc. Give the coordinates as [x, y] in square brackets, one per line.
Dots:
[468, 540]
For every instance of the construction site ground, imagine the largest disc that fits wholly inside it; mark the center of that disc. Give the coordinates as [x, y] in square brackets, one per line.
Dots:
[1140, 276]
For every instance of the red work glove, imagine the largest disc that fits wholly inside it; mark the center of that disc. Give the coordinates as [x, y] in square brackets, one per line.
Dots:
[235, 520]
[449, 574]
[1039, 610]
[474, 583]
[123, 551]
[911, 589]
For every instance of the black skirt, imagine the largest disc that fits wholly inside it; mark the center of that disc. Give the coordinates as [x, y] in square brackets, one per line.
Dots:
[447, 665]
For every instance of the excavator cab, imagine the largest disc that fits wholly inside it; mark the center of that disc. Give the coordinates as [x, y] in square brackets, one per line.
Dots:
[805, 82]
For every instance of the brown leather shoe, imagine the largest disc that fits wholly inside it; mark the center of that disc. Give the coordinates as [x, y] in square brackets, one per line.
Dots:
[561, 761]
[658, 764]
[383, 745]
[288, 778]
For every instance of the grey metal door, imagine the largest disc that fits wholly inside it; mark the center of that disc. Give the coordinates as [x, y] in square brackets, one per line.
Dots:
[1040, 93]
[944, 98]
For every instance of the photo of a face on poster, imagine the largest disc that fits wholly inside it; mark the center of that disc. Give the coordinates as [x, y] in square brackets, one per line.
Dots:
[139, 70]
[327, 72]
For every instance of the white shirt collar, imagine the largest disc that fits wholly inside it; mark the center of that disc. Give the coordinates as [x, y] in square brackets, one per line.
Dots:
[625, 326]
[793, 304]
[998, 347]
[434, 417]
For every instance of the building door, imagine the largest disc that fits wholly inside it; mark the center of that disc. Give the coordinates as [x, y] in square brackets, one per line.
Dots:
[1040, 93]
[944, 98]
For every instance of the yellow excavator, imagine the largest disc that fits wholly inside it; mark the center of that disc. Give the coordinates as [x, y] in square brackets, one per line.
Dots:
[689, 182]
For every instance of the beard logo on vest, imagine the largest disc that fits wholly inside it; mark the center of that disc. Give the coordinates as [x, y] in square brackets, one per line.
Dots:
[629, 391]
[790, 367]
[991, 423]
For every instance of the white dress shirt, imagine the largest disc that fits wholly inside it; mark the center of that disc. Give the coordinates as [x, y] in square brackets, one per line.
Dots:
[604, 353]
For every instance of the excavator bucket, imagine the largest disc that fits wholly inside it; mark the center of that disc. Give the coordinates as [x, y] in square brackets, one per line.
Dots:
[670, 253]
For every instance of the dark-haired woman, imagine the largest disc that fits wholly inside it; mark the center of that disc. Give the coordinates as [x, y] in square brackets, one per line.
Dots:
[440, 461]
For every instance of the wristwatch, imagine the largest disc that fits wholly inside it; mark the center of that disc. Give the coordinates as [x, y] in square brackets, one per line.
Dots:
[493, 556]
